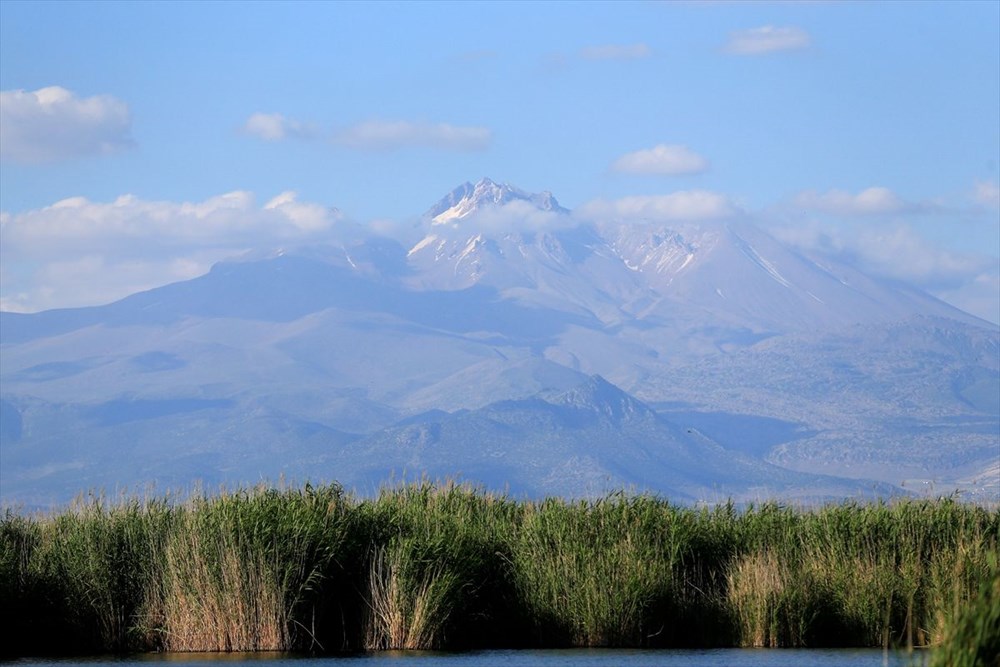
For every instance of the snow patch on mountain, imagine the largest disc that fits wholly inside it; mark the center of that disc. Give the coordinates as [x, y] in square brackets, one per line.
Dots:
[467, 199]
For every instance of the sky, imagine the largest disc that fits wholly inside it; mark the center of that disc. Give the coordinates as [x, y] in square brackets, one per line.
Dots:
[140, 142]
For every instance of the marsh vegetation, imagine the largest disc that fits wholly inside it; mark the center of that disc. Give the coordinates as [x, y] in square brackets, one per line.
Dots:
[453, 567]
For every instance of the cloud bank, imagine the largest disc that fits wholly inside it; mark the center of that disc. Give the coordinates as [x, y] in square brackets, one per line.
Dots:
[511, 217]
[969, 281]
[79, 252]
[661, 159]
[767, 39]
[872, 201]
[52, 124]
[682, 206]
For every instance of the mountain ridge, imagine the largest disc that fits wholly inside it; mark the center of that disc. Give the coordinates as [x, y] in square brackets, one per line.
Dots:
[282, 361]
[469, 198]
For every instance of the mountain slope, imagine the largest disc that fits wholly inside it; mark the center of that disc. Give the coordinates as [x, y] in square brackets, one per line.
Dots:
[587, 441]
[273, 362]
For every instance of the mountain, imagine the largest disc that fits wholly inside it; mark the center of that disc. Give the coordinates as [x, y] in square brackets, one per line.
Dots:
[522, 347]
[589, 440]
[468, 199]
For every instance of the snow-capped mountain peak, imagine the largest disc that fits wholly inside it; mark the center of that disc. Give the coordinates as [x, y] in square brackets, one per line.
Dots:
[467, 198]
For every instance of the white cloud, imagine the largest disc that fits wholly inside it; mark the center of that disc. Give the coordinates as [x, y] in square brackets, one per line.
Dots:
[967, 280]
[96, 279]
[872, 201]
[275, 127]
[979, 296]
[686, 205]
[387, 135]
[616, 52]
[374, 134]
[307, 217]
[78, 225]
[661, 159]
[79, 252]
[514, 216]
[53, 124]
[988, 194]
[767, 39]
[900, 252]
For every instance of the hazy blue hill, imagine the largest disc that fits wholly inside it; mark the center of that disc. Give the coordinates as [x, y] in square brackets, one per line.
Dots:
[582, 442]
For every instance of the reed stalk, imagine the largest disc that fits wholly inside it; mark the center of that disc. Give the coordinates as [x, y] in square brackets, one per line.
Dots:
[447, 566]
[590, 573]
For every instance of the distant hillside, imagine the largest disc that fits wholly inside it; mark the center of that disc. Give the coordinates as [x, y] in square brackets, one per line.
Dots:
[729, 365]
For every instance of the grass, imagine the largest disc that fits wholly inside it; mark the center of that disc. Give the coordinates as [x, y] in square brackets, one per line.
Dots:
[424, 566]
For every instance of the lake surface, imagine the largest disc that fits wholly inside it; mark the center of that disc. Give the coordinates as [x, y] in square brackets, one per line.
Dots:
[523, 658]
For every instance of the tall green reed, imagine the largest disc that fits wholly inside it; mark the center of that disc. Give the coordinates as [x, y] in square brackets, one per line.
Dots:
[94, 562]
[854, 574]
[590, 574]
[970, 629]
[434, 563]
[451, 566]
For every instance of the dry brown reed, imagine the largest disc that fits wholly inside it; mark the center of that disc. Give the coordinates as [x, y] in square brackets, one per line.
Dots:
[406, 609]
[215, 595]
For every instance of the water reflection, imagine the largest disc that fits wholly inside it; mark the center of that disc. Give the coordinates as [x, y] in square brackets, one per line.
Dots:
[524, 658]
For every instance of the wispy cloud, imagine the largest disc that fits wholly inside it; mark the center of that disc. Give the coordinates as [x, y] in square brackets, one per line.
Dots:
[390, 135]
[661, 159]
[987, 194]
[616, 52]
[967, 280]
[514, 216]
[98, 279]
[980, 295]
[275, 127]
[871, 201]
[373, 135]
[767, 39]
[685, 205]
[81, 252]
[559, 60]
[52, 124]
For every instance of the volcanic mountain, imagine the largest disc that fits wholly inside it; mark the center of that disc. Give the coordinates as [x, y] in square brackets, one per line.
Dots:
[520, 346]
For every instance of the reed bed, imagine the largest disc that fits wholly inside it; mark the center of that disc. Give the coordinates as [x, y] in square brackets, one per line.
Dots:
[240, 571]
[435, 558]
[426, 566]
[970, 629]
[592, 574]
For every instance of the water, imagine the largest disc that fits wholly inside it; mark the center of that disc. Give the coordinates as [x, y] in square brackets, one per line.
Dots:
[523, 658]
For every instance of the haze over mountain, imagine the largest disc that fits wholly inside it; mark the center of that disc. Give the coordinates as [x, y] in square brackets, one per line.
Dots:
[519, 345]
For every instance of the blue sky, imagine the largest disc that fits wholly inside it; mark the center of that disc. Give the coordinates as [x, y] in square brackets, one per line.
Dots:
[143, 141]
